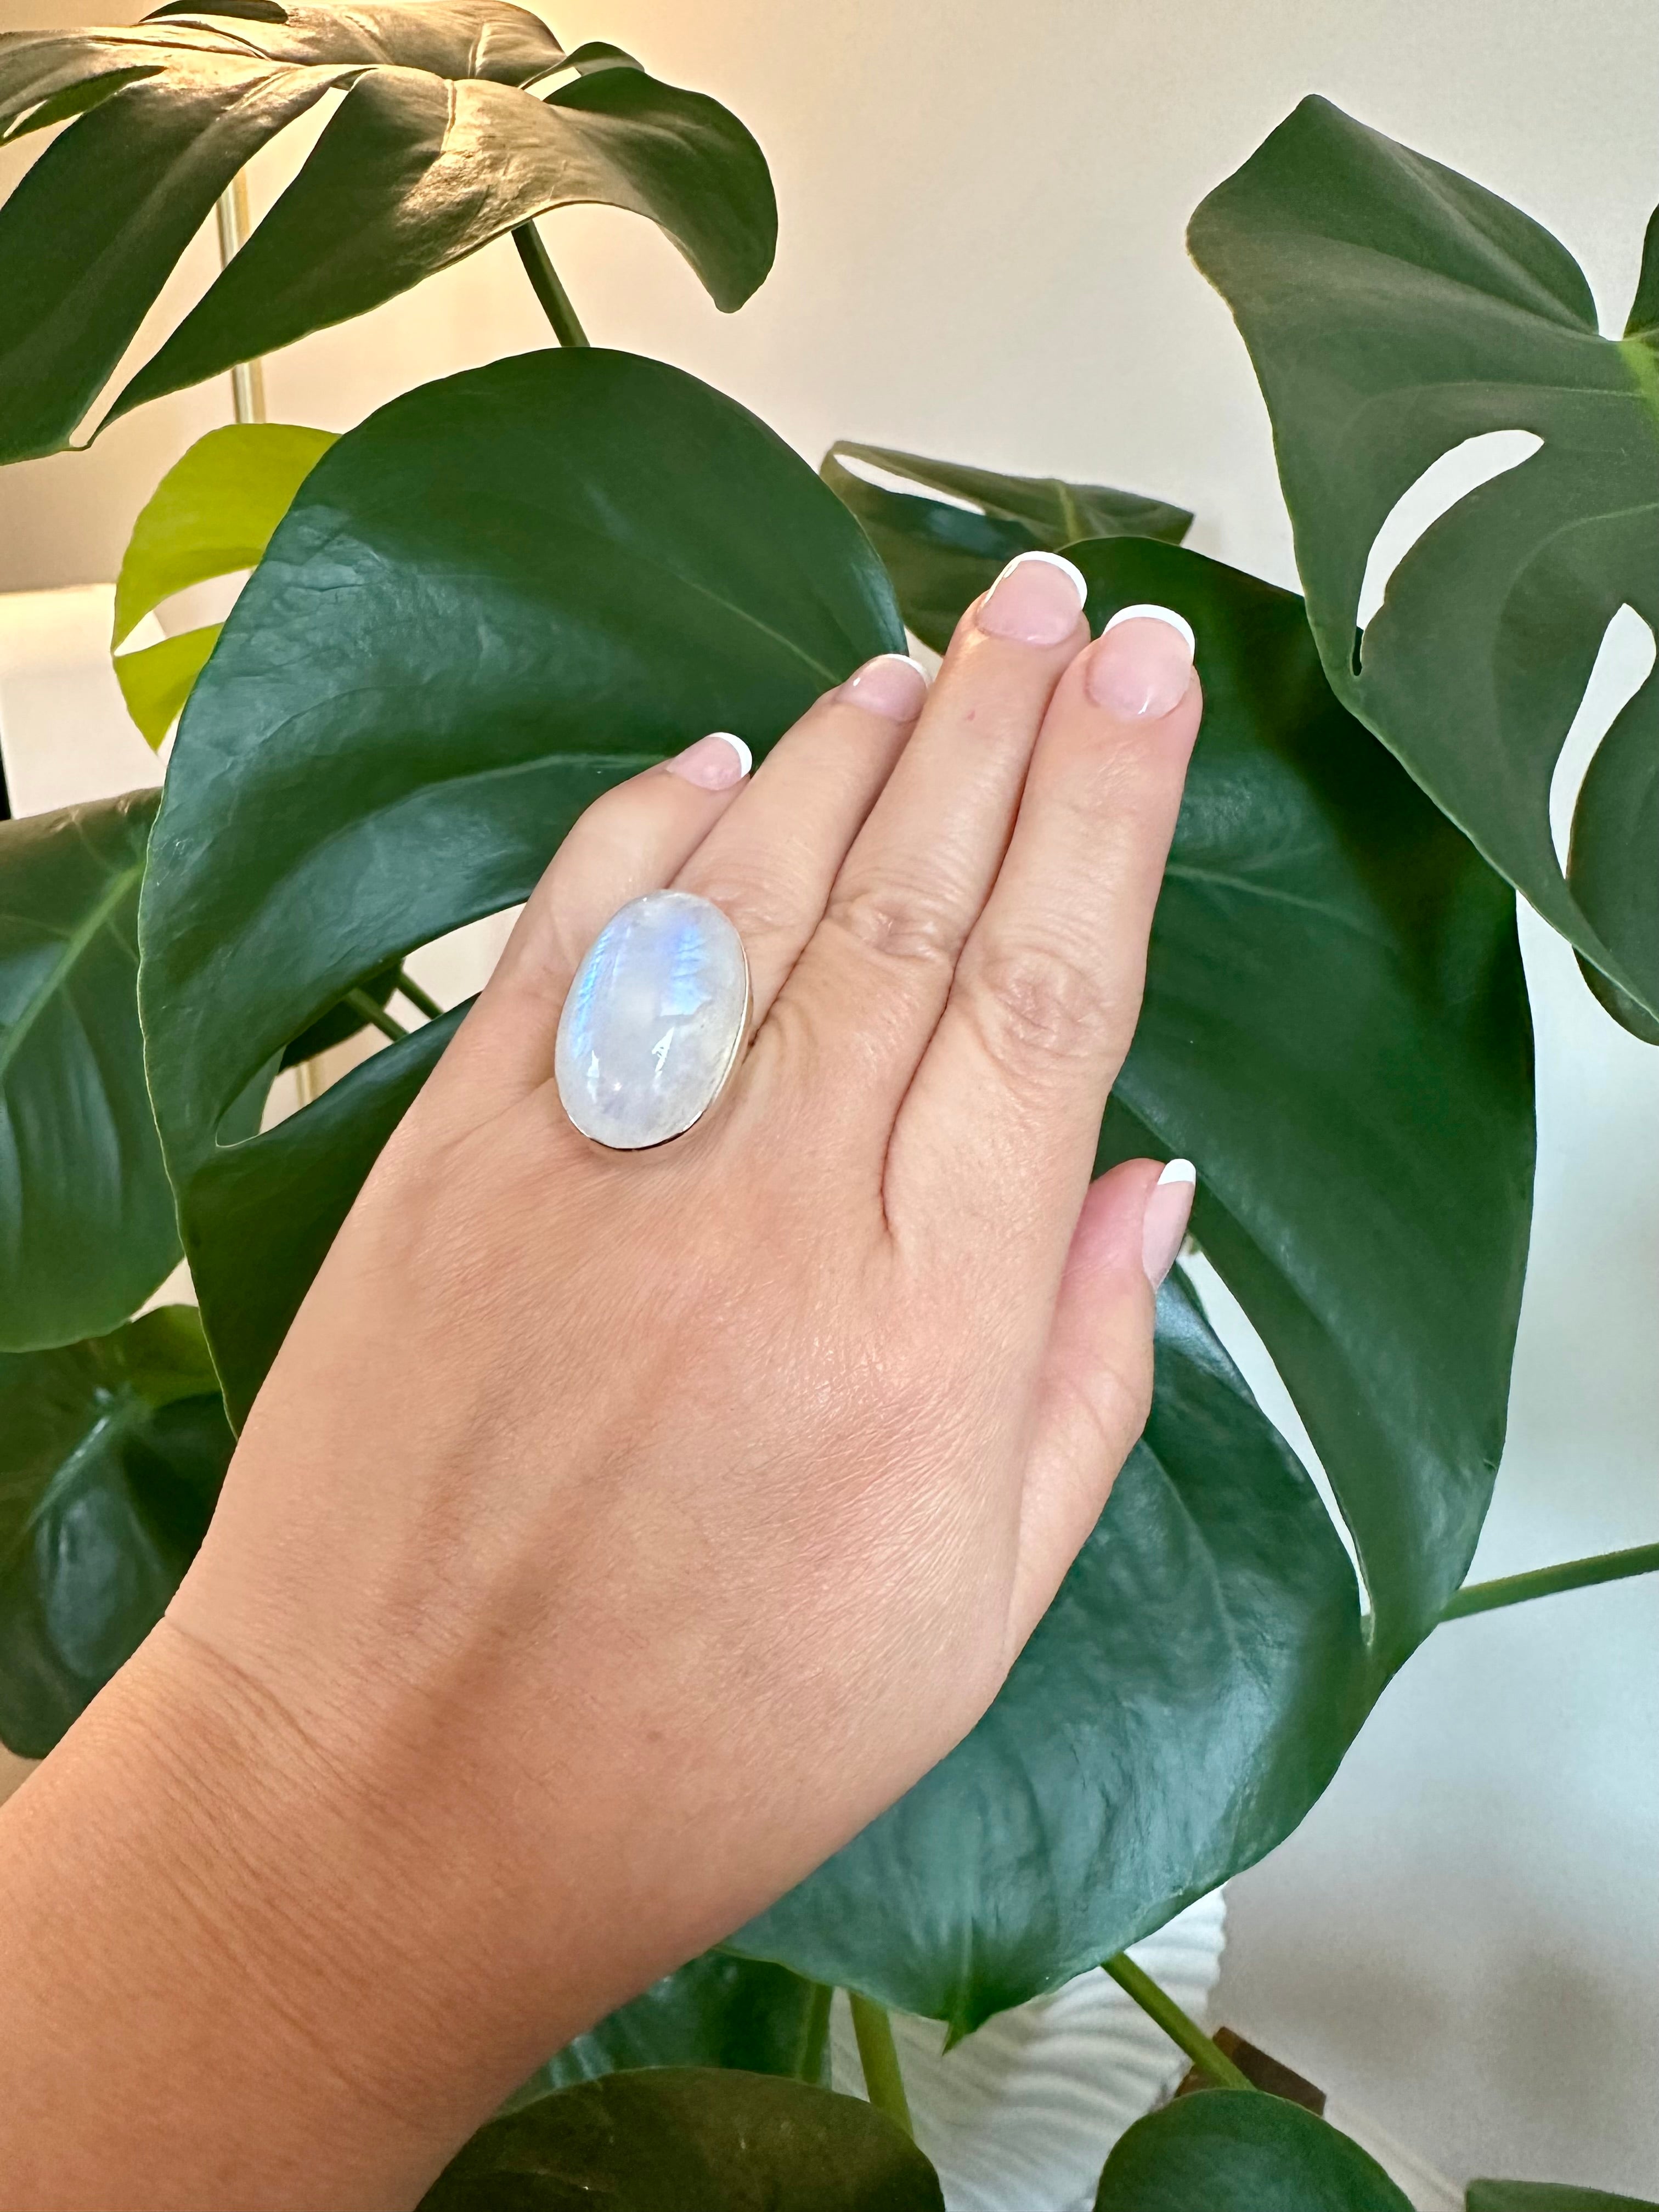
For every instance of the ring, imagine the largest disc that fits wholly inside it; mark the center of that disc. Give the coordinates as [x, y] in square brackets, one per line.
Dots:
[653, 1023]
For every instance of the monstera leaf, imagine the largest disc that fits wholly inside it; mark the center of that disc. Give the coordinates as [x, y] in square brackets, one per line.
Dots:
[461, 119]
[441, 658]
[211, 515]
[1239, 2150]
[1393, 309]
[942, 555]
[688, 2139]
[718, 2011]
[111, 1456]
[87, 1228]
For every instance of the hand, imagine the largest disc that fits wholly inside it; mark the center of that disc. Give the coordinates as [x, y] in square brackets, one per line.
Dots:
[616, 1534]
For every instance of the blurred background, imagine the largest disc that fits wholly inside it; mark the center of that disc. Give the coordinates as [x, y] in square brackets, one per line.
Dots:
[981, 258]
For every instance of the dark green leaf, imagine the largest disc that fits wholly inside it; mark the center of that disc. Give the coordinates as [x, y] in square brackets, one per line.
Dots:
[444, 655]
[941, 556]
[1184, 1701]
[1238, 2150]
[718, 2011]
[439, 146]
[433, 170]
[1393, 309]
[1548, 2197]
[688, 2139]
[111, 1456]
[1335, 1030]
[87, 1228]
[211, 515]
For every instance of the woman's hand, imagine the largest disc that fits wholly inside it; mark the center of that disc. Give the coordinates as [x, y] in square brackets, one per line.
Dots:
[616, 1534]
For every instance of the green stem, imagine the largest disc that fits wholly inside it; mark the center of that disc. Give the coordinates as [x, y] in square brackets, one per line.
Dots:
[1186, 2034]
[878, 2056]
[361, 1003]
[545, 282]
[816, 2035]
[416, 997]
[1545, 1582]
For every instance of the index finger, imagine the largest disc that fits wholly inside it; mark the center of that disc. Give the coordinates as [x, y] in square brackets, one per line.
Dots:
[996, 1138]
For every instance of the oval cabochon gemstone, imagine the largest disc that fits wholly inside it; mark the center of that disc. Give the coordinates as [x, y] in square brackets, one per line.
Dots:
[654, 1021]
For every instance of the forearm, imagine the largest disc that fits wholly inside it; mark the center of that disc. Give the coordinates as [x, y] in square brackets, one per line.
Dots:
[232, 1977]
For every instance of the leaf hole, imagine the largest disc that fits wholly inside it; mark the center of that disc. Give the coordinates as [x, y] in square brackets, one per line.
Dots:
[1624, 661]
[1254, 1361]
[446, 971]
[1460, 470]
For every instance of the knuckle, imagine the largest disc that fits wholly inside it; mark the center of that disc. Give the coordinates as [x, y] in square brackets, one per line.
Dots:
[1035, 1003]
[900, 922]
[761, 907]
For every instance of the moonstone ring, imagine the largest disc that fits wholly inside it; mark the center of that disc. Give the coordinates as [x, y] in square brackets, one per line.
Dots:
[654, 1021]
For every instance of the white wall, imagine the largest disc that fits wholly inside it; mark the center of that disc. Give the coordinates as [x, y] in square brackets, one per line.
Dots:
[983, 217]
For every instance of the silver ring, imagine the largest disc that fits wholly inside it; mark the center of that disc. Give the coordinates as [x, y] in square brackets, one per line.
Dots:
[654, 1022]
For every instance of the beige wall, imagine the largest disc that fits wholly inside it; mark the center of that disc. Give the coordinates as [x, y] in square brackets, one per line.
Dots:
[982, 255]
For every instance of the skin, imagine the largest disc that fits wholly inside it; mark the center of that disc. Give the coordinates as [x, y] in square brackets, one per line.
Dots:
[617, 1534]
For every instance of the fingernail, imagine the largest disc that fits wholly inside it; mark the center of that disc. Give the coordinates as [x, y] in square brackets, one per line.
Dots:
[1035, 600]
[1169, 1208]
[714, 762]
[891, 685]
[1139, 667]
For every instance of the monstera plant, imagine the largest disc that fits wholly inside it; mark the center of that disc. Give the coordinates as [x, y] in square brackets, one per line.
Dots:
[1335, 1025]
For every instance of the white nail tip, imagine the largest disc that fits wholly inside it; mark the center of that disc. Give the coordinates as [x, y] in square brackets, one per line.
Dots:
[1156, 614]
[1177, 1171]
[738, 747]
[1079, 582]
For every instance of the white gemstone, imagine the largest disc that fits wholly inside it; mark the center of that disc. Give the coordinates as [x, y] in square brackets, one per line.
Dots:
[653, 1021]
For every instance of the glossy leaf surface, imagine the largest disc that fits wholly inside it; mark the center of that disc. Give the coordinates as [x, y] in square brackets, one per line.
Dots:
[687, 2139]
[941, 555]
[718, 2011]
[464, 577]
[87, 1227]
[439, 145]
[1184, 1700]
[1239, 2150]
[111, 1456]
[1393, 309]
[211, 515]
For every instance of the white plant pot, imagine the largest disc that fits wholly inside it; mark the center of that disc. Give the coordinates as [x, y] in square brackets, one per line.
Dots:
[1019, 2118]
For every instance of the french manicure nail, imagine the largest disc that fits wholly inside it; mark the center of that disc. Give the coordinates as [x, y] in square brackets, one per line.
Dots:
[891, 685]
[714, 762]
[1139, 667]
[1168, 1208]
[1035, 600]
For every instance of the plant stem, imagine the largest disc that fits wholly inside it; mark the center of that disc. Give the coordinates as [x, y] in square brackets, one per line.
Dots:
[1185, 2033]
[545, 282]
[1545, 1582]
[248, 378]
[878, 2056]
[361, 1003]
[416, 997]
[816, 2034]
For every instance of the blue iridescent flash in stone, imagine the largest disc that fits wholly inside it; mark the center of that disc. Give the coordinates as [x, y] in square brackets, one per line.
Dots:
[654, 1021]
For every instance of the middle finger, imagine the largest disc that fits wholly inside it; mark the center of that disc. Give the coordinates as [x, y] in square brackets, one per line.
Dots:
[876, 973]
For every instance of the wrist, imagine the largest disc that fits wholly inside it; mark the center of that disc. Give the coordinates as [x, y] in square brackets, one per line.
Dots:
[323, 1992]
